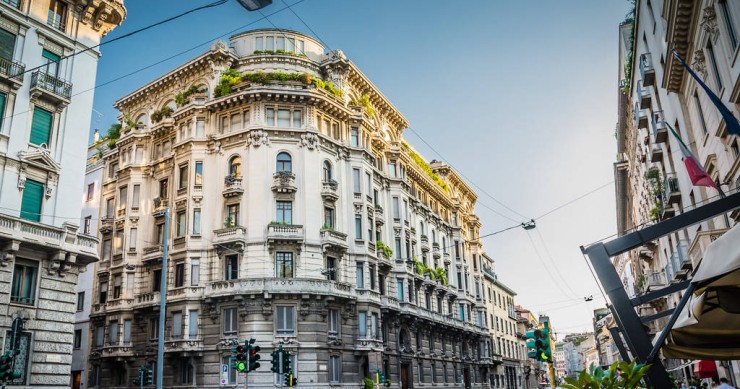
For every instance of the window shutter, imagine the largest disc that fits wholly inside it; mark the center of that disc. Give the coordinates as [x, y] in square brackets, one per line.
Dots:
[33, 195]
[41, 127]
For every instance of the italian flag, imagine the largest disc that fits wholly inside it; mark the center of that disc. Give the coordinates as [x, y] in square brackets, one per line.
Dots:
[697, 174]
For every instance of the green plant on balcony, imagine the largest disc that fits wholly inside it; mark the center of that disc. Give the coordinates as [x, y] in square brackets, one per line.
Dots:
[655, 213]
[114, 133]
[364, 102]
[229, 222]
[441, 274]
[181, 97]
[282, 223]
[165, 112]
[328, 86]
[641, 281]
[326, 227]
[383, 248]
[425, 167]
[228, 79]
[620, 375]
[419, 266]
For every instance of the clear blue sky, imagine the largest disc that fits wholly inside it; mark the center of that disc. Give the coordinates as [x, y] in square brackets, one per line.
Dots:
[518, 96]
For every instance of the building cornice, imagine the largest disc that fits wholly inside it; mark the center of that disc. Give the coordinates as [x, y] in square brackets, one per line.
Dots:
[363, 85]
[681, 24]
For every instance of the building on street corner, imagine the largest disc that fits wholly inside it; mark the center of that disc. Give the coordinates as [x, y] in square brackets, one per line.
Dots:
[42, 132]
[299, 216]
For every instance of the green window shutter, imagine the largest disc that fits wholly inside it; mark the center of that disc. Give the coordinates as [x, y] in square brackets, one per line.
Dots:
[33, 196]
[41, 126]
[2, 107]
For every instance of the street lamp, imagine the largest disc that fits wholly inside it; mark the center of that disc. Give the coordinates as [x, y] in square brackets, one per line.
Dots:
[253, 5]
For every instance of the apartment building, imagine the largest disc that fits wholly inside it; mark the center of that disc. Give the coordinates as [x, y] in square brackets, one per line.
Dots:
[298, 216]
[42, 132]
[657, 92]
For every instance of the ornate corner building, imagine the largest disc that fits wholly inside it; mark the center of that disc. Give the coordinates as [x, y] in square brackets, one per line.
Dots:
[42, 128]
[298, 216]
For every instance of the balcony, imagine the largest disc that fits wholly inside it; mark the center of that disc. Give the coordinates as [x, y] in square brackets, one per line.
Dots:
[701, 242]
[184, 346]
[329, 190]
[283, 182]
[388, 302]
[654, 281]
[279, 286]
[643, 96]
[232, 186]
[158, 206]
[679, 263]
[106, 224]
[50, 87]
[656, 154]
[645, 253]
[446, 258]
[335, 240]
[640, 117]
[13, 3]
[671, 191]
[12, 72]
[647, 72]
[378, 211]
[424, 243]
[235, 235]
[284, 233]
[368, 344]
[54, 240]
[117, 350]
[660, 132]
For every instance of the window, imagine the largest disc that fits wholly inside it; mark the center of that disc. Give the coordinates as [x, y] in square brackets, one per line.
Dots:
[7, 42]
[399, 289]
[392, 169]
[235, 166]
[196, 221]
[358, 227]
[331, 271]
[329, 218]
[270, 116]
[327, 171]
[117, 286]
[727, 16]
[396, 210]
[232, 215]
[127, 332]
[57, 15]
[132, 236]
[360, 276]
[333, 322]
[194, 272]
[181, 223]
[374, 320]
[157, 280]
[90, 191]
[78, 339]
[335, 369]
[113, 332]
[284, 264]
[135, 197]
[86, 225]
[372, 277]
[33, 197]
[198, 173]
[110, 208]
[356, 181]
[100, 336]
[369, 182]
[284, 317]
[713, 64]
[226, 361]
[200, 128]
[286, 118]
[362, 323]
[176, 325]
[245, 118]
[398, 248]
[231, 325]
[183, 176]
[80, 301]
[154, 328]
[163, 189]
[231, 267]
[24, 282]
[235, 122]
[284, 212]
[193, 324]
[284, 163]
[179, 274]
[283, 118]
[224, 124]
[421, 371]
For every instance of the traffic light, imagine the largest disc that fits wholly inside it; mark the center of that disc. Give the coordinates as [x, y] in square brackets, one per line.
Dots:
[5, 363]
[275, 361]
[546, 349]
[538, 341]
[287, 366]
[381, 377]
[241, 358]
[148, 375]
[290, 380]
[254, 357]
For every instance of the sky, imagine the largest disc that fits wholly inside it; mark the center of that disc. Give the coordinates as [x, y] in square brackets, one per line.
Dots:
[519, 97]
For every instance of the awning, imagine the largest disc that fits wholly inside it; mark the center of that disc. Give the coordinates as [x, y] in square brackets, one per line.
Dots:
[708, 327]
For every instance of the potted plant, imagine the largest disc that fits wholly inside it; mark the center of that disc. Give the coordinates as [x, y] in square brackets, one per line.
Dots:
[621, 375]
[229, 222]
[441, 275]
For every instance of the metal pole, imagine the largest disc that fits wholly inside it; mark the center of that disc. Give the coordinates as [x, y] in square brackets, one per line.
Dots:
[141, 377]
[552, 375]
[280, 364]
[162, 299]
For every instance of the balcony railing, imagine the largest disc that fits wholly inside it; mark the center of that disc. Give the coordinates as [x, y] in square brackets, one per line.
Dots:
[654, 280]
[283, 182]
[659, 128]
[278, 232]
[51, 84]
[647, 72]
[640, 117]
[329, 190]
[643, 95]
[334, 239]
[229, 235]
[671, 190]
[12, 69]
[279, 285]
[46, 237]
[13, 3]
[232, 186]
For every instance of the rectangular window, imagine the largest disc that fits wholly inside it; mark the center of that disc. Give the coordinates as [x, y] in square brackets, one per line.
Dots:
[713, 64]
[157, 280]
[122, 197]
[181, 223]
[283, 118]
[224, 124]
[396, 210]
[183, 176]
[194, 272]
[398, 248]
[33, 197]
[200, 128]
[245, 118]
[78, 339]
[362, 323]
[130, 285]
[193, 324]
[87, 225]
[399, 289]
[727, 16]
[232, 215]
[103, 295]
[177, 325]
[335, 369]
[113, 332]
[372, 277]
[90, 191]
[231, 267]
[110, 208]
[405, 210]
[118, 242]
[7, 40]
[285, 325]
[235, 122]
[135, 197]
[199, 173]
[24, 282]
[41, 127]
[163, 189]
[356, 181]
[284, 212]
[100, 336]
[117, 280]
[154, 328]
[270, 117]
[462, 312]
[179, 274]
[369, 182]
[297, 119]
[331, 270]
[231, 325]
[57, 17]
[354, 137]
[329, 218]
[358, 227]
[360, 276]
[80, 301]
[284, 264]
[392, 169]
[333, 322]
[374, 320]
[132, 236]
[127, 332]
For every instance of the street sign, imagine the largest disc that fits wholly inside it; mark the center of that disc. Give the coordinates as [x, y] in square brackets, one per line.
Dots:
[224, 374]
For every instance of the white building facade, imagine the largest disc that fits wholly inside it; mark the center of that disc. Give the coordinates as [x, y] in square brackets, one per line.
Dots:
[298, 216]
[42, 134]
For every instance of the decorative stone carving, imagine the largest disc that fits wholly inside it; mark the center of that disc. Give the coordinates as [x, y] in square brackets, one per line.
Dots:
[219, 45]
[8, 251]
[257, 138]
[213, 146]
[342, 153]
[699, 63]
[397, 232]
[310, 141]
[21, 180]
[709, 22]
[48, 191]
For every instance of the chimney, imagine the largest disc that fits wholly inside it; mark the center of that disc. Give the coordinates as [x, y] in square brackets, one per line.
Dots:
[96, 136]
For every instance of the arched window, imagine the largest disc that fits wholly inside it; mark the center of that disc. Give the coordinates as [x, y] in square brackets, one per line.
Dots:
[141, 119]
[327, 171]
[171, 104]
[235, 166]
[284, 163]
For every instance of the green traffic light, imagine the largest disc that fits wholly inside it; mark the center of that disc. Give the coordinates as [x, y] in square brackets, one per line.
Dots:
[241, 367]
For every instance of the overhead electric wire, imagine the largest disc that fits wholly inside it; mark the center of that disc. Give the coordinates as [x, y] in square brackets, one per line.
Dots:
[549, 274]
[307, 26]
[555, 265]
[574, 200]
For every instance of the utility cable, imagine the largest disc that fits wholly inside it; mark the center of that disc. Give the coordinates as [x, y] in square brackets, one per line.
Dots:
[307, 26]
[549, 274]
[574, 200]
[555, 265]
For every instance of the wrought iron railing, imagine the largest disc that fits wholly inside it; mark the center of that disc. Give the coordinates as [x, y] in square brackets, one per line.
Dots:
[11, 69]
[51, 84]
